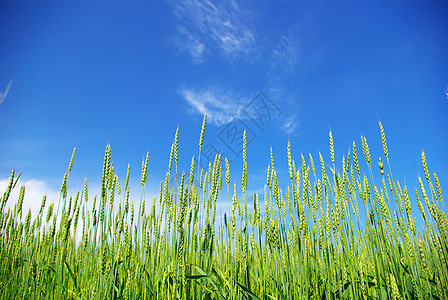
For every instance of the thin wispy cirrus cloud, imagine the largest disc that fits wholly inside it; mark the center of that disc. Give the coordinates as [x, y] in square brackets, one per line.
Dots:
[290, 122]
[206, 28]
[286, 51]
[205, 25]
[221, 107]
[191, 44]
[290, 125]
[5, 93]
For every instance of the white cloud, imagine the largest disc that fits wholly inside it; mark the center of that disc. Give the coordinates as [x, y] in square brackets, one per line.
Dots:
[220, 107]
[286, 51]
[206, 25]
[5, 93]
[224, 107]
[34, 191]
[290, 124]
[192, 45]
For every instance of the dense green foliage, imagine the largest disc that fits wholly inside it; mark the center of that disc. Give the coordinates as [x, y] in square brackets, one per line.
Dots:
[332, 234]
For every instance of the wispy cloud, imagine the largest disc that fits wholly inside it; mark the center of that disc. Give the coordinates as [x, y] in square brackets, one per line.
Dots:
[5, 93]
[286, 51]
[223, 107]
[290, 122]
[220, 107]
[191, 44]
[205, 25]
[290, 125]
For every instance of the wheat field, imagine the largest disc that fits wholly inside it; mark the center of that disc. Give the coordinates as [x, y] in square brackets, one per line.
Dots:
[331, 233]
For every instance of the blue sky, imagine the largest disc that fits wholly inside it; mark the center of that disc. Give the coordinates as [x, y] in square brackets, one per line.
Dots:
[128, 73]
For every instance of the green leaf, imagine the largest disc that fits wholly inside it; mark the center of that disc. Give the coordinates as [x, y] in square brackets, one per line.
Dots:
[344, 287]
[221, 277]
[72, 275]
[221, 282]
[195, 277]
[249, 292]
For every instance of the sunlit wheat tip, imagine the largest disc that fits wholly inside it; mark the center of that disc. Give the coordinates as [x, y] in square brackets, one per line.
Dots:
[192, 171]
[176, 145]
[381, 165]
[331, 147]
[201, 139]
[365, 149]
[227, 172]
[64, 187]
[20, 201]
[312, 164]
[170, 164]
[244, 145]
[383, 140]
[71, 160]
[289, 161]
[425, 167]
[42, 204]
[439, 188]
[355, 159]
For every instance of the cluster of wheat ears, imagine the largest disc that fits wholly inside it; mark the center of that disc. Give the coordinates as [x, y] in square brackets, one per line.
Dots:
[310, 241]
